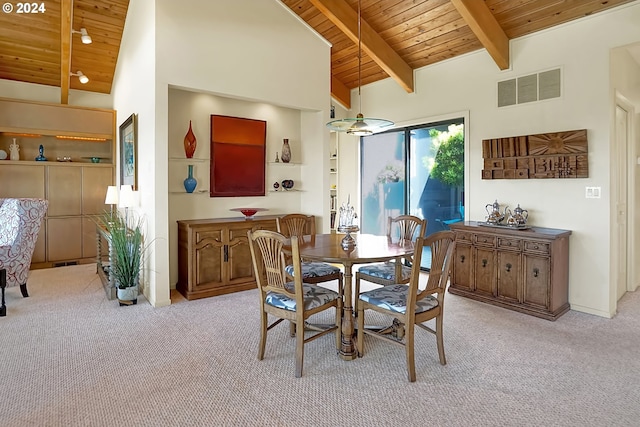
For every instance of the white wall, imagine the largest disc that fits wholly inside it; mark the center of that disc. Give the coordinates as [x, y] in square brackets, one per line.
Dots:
[250, 50]
[135, 92]
[582, 50]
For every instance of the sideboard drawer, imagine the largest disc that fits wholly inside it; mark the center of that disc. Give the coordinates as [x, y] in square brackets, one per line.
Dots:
[484, 240]
[537, 247]
[509, 244]
[464, 237]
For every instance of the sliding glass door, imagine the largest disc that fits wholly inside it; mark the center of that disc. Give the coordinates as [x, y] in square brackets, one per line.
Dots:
[417, 170]
[383, 180]
[436, 174]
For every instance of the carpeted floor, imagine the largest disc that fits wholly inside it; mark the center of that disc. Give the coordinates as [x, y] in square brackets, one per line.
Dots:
[70, 357]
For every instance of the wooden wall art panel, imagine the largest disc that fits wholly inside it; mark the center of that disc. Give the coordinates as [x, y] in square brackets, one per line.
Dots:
[238, 149]
[545, 155]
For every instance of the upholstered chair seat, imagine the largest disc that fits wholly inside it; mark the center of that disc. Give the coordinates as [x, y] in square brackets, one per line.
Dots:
[312, 270]
[386, 271]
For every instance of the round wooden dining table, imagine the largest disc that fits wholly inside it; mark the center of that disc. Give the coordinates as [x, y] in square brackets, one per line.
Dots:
[369, 248]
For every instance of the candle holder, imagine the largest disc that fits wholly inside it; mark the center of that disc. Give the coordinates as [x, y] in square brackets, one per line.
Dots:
[348, 242]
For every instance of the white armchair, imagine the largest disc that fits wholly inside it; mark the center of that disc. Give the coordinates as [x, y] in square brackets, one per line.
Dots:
[20, 221]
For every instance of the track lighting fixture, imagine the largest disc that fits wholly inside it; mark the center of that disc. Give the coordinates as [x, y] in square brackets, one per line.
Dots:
[83, 79]
[84, 36]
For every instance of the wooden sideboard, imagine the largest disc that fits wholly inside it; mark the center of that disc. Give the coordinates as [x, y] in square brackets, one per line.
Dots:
[214, 256]
[523, 270]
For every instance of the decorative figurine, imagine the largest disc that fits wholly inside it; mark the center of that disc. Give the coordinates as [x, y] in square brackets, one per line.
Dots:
[41, 157]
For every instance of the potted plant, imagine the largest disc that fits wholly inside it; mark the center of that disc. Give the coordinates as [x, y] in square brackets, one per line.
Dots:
[127, 249]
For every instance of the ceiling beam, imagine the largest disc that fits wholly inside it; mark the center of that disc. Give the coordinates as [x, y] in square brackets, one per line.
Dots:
[484, 25]
[344, 17]
[66, 10]
[341, 93]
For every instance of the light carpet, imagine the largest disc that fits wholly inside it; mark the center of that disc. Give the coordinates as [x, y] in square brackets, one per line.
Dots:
[70, 357]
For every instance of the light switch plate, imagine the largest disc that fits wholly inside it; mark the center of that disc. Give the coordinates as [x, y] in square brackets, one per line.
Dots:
[592, 192]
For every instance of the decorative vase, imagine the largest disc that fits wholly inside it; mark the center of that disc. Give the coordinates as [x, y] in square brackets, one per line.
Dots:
[190, 182]
[190, 143]
[14, 151]
[285, 155]
[41, 157]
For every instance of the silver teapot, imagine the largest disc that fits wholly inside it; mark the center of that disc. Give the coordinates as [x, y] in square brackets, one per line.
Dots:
[518, 217]
[494, 216]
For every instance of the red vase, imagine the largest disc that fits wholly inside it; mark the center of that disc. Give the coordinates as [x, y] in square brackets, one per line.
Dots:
[190, 143]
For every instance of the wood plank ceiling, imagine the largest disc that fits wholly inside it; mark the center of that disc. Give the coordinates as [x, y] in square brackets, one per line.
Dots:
[38, 47]
[398, 36]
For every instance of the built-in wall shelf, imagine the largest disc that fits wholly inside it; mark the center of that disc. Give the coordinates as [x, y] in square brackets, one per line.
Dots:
[185, 160]
[283, 164]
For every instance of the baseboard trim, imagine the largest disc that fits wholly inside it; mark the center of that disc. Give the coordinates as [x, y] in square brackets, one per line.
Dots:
[589, 310]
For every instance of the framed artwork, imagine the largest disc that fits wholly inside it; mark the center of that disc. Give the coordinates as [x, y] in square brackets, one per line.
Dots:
[238, 150]
[129, 152]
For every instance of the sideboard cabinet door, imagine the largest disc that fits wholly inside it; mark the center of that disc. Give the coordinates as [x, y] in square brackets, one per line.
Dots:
[485, 273]
[536, 281]
[462, 275]
[509, 276]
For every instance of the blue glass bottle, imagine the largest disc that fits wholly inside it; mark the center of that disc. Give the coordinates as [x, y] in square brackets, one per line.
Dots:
[190, 182]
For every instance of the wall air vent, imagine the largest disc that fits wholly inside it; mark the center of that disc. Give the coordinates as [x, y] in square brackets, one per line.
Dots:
[531, 88]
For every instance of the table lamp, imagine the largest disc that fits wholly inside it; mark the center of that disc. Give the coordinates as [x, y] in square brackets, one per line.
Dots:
[112, 197]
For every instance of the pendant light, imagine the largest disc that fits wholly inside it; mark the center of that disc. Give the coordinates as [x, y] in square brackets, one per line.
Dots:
[359, 126]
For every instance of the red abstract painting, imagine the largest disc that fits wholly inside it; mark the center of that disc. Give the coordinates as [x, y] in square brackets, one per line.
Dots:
[238, 149]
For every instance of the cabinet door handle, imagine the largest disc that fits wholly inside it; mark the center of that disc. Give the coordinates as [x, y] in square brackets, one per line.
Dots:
[226, 253]
[535, 272]
[484, 263]
[461, 259]
[508, 267]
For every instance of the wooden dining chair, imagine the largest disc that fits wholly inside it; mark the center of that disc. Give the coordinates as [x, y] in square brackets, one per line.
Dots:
[288, 300]
[304, 227]
[403, 227]
[425, 305]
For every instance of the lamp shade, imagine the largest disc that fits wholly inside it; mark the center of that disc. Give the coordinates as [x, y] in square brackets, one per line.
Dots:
[127, 198]
[112, 195]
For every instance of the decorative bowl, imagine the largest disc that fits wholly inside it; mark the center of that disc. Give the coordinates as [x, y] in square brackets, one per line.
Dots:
[287, 184]
[248, 212]
[94, 159]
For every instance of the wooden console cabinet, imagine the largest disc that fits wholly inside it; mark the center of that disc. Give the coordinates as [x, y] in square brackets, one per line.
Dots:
[214, 256]
[522, 270]
[75, 190]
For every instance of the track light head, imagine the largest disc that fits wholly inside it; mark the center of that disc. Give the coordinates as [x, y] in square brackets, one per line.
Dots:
[84, 36]
[80, 75]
